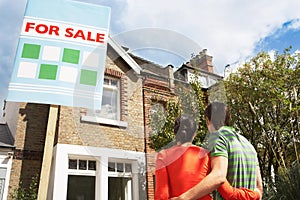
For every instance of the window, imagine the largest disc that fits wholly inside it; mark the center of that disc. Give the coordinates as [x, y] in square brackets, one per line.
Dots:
[157, 115]
[81, 187]
[119, 188]
[202, 78]
[110, 108]
[79, 164]
[90, 173]
[121, 167]
[81, 179]
[119, 181]
[2, 181]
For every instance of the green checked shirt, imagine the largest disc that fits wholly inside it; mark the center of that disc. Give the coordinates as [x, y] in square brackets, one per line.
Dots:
[242, 157]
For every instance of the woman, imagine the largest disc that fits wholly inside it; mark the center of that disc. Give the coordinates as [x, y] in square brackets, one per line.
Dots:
[182, 166]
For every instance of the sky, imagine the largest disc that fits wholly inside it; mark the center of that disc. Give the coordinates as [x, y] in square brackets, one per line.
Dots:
[170, 31]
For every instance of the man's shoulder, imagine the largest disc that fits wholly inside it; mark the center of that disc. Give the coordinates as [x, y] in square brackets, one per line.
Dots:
[227, 130]
[224, 133]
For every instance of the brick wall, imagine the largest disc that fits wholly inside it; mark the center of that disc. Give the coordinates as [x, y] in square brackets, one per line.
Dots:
[29, 142]
[73, 131]
[155, 91]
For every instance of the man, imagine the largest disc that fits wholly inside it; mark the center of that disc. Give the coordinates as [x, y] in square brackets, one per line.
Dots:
[232, 157]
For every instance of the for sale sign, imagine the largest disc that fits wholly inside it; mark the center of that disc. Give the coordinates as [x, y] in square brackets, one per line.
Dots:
[61, 54]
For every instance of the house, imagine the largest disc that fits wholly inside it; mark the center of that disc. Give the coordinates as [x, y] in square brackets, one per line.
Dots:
[6, 152]
[100, 154]
[202, 66]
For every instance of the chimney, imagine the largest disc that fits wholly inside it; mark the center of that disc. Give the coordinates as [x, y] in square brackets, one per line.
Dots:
[203, 61]
[171, 77]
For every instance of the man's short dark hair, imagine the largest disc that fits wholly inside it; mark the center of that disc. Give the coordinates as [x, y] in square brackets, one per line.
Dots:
[218, 114]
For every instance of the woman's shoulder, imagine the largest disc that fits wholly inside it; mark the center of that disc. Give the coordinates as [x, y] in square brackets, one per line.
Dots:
[198, 148]
[200, 151]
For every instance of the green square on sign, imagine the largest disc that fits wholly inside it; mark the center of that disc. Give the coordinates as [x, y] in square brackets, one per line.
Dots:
[31, 51]
[88, 77]
[71, 56]
[48, 71]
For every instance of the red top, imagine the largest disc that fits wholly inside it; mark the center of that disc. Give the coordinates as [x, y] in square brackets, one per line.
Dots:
[179, 168]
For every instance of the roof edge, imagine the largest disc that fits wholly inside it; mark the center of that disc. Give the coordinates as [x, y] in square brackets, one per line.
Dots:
[127, 58]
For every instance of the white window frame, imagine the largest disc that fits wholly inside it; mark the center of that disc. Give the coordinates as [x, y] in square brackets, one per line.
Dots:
[6, 162]
[203, 79]
[60, 168]
[92, 117]
[114, 88]
[79, 172]
[123, 175]
[120, 174]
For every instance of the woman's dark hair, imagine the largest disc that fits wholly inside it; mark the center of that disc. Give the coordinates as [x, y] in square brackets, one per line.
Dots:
[218, 114]
[184, 128]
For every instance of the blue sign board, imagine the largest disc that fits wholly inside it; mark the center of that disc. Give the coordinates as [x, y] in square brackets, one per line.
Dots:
[61, 54]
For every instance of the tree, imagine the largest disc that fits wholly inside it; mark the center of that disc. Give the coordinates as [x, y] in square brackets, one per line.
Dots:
[264, 99]
[188, 99]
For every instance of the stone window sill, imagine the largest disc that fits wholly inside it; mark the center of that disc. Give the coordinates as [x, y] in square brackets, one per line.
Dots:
[99, 120]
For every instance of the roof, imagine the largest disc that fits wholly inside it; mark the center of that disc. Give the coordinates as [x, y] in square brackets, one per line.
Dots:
[200, 70]
[6, 139]
[127, 58]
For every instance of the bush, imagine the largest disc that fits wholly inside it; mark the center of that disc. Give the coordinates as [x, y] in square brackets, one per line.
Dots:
[24, 193]
[286, 187]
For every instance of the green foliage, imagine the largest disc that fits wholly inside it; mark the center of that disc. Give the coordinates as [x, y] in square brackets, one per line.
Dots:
[287, 185]
[217, 92]
[162, 124]
[198, 111]
[264, 99]
[189, 99]
[24, 193]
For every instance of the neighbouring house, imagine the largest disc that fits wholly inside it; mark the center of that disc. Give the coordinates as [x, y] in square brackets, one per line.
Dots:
[200, 64]
[158, 87]
[6, 156]
[99, 154]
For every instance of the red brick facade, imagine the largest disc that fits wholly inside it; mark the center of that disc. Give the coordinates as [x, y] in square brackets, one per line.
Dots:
[155, 91]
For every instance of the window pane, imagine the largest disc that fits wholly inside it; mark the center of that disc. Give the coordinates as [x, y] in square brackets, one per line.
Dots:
[119, 188]
[72, 164]
[114, 83]
[110, 100]
[120, 167]
[2, 172]
[92, 165]
[2, 181]
[81, 187]
[111, 167]
[127, 167]
[82, 164]
[106, 81]
[109, 106]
